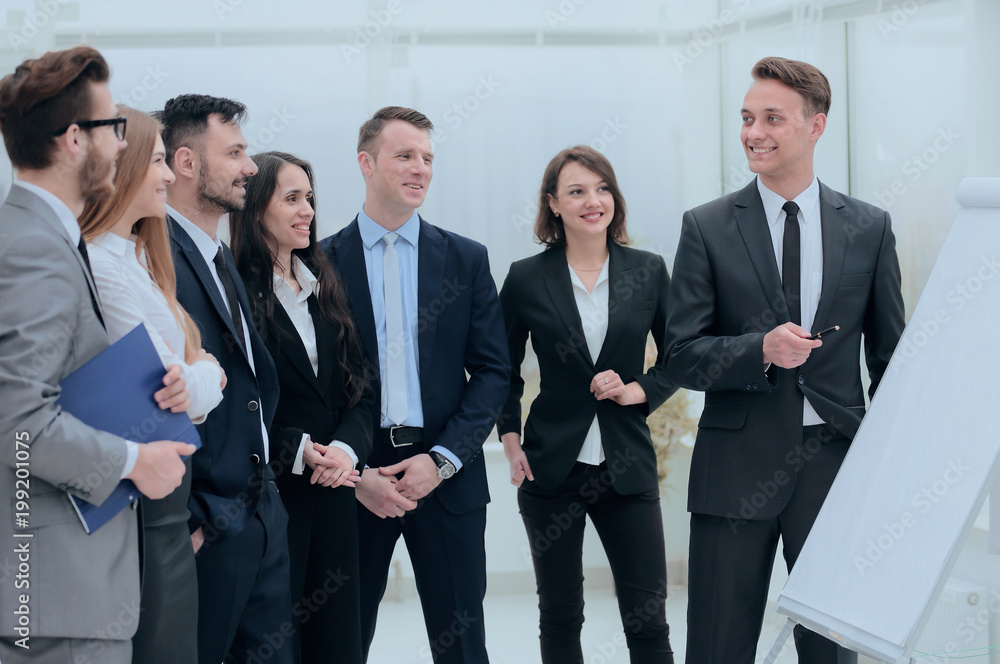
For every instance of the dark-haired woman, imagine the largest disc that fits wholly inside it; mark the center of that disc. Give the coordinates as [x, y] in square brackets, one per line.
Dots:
[589, 303]
[322, 428]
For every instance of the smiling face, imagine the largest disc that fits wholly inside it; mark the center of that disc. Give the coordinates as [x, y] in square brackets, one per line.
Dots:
[583, 201]
[151, 198]
[224, 167]
[779, 134]
[398, 174]
[289, 213]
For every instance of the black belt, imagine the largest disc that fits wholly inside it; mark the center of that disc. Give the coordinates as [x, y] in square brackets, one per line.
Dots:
[400, 436]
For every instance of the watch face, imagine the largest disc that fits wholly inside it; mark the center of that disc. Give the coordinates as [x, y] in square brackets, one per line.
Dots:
[446, 471]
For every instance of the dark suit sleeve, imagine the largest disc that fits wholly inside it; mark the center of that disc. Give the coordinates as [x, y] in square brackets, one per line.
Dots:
[884, 322]
[655, 382]
[488, 365]
[517, 337]
[355, 426]
[698, 358]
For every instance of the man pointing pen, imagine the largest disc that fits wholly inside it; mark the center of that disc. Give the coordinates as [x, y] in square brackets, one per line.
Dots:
[756, 272]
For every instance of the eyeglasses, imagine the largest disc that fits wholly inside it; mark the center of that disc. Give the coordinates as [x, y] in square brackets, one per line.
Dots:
[117, 123]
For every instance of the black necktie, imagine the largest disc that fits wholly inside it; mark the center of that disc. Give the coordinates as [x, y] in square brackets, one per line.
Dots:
[234, 302]
[791, 263]
[82, 247]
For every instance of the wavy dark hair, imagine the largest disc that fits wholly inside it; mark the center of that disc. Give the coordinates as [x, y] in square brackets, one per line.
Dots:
[255, 259]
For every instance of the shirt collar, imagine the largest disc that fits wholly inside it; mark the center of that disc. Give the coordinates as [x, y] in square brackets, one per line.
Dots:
[307, 280]
[372, 232]
[62, 211]
[207, 246]
[601, 278]
[773, 202]
[112, 242]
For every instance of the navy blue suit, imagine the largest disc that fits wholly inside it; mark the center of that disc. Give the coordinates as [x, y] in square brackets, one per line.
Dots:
[243, 590]
[460, 330]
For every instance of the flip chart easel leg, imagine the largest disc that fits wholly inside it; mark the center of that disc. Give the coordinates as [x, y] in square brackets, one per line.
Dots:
[779, 643]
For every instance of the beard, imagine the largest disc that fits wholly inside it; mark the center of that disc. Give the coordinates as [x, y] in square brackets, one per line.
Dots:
[95, 177]
[215, 193]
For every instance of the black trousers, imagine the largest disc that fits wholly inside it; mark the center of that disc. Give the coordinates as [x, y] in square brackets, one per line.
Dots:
[448, 553]
[631, 530]
[730, 563]
[323, 549]
[244, 601]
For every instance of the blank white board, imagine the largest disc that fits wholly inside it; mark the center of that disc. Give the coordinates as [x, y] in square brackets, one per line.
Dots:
[921, 465]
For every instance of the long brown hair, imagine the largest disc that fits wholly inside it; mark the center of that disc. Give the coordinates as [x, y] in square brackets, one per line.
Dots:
[252, 246]
[150, 232]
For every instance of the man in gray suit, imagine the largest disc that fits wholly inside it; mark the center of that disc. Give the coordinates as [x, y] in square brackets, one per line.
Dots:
[66, 596]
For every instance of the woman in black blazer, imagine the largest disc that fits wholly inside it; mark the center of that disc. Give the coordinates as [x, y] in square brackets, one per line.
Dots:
[588, 302]
[322, 429]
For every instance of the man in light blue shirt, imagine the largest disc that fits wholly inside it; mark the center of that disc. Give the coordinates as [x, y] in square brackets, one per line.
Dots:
[429, 317]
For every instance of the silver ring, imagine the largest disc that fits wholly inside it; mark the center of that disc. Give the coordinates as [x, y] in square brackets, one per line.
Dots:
[606, 381]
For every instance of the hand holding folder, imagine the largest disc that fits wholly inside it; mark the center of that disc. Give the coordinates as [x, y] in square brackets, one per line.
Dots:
[113, 392]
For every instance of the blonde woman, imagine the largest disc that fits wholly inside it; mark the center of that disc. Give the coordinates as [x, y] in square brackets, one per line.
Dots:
[134, 273]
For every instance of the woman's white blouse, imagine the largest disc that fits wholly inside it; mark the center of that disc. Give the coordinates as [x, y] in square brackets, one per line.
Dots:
[129, 297]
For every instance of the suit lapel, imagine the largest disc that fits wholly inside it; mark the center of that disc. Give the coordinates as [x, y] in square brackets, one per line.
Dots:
[430, 277]
[326, 346]
[752, 223]
[30, 202]
[832, 222]
[619, 306]
[560, 290]
[350, 255]
[291, 344]
[200, 268]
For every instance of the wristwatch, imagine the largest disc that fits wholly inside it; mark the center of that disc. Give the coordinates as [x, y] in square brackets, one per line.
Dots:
[445, 468]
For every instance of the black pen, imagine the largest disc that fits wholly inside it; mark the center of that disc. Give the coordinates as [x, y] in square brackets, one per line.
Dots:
[829, 330]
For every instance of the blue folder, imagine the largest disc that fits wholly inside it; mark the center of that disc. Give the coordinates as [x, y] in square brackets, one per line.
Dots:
[113, 392]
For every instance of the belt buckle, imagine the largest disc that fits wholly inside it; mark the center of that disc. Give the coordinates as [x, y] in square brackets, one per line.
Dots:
[392, 437]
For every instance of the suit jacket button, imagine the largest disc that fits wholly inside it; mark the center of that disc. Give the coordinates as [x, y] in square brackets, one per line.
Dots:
[749, 387]
[756, 386]
[252, 406]
[254, 458]
[802, 380]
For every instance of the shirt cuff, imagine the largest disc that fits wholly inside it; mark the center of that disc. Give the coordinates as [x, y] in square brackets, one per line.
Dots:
[347, 448]
[298, 465]
[447, 454]
[131, 456]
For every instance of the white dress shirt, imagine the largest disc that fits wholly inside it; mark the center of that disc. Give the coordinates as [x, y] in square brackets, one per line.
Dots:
[208, 247]
[408, 251]
[296, 305]
[810, 251]
[593, 308]
[129, 298]
[72, 227]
